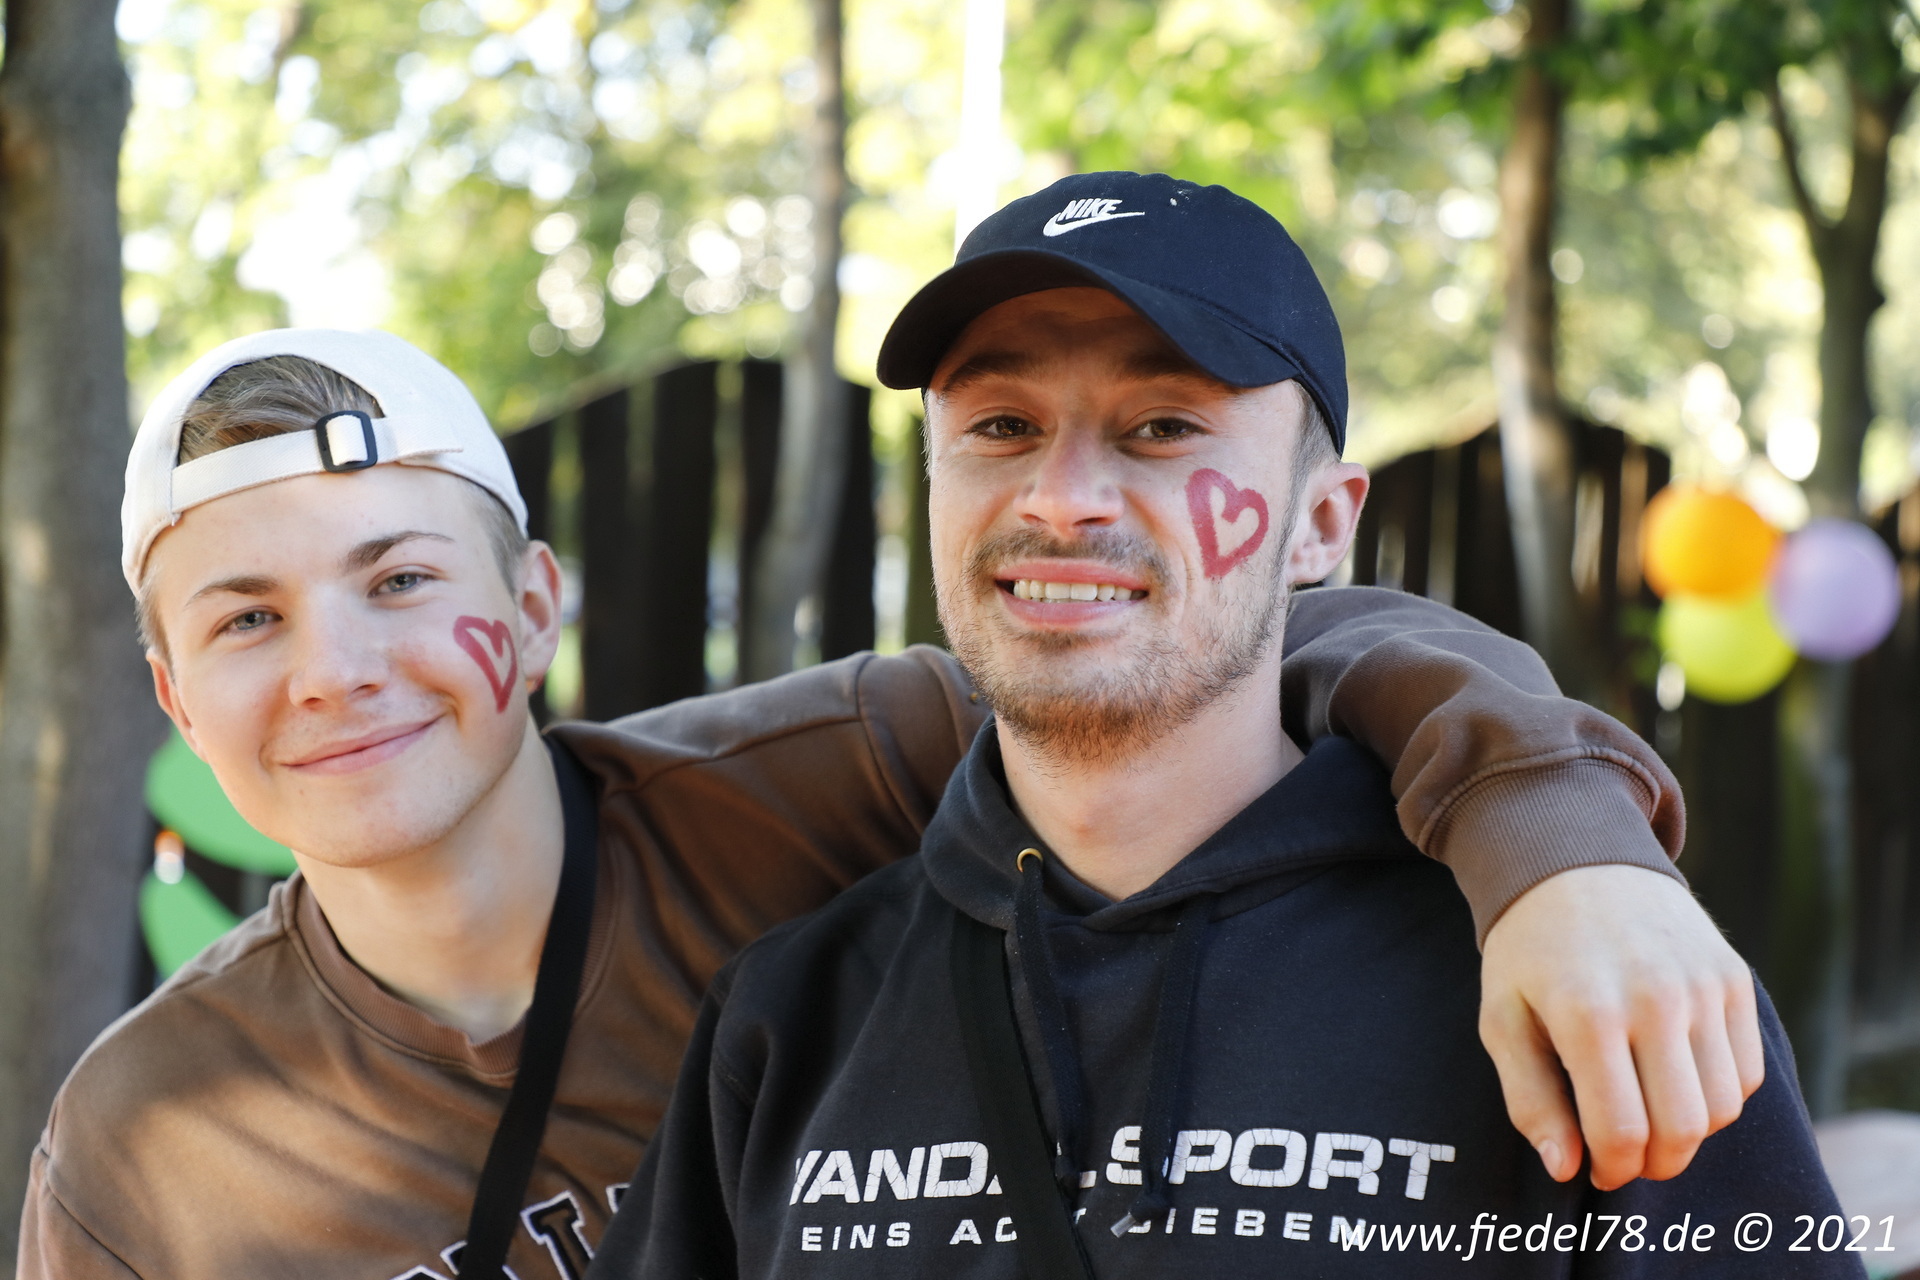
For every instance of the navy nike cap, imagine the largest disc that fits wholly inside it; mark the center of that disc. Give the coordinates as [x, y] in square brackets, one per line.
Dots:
[1214, 272]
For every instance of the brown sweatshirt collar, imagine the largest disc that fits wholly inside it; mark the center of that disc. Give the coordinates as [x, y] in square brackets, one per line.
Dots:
[386, 1017]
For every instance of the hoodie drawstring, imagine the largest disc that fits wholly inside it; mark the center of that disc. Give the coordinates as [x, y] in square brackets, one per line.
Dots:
[1056, 1042]
[1179, 977]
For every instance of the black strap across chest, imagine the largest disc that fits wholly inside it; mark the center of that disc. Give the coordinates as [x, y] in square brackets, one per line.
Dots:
[1016, 1135]
[556, 989]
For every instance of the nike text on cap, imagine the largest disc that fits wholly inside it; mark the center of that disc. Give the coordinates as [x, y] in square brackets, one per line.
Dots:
[428, 419]
[1212, 271]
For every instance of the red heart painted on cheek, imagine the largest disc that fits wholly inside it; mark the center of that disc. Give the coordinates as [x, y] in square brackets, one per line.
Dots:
[1208, 524]
[497, 647]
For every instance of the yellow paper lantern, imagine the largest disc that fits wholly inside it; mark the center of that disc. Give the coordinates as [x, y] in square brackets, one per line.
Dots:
[1703, 542]
[1729, 650]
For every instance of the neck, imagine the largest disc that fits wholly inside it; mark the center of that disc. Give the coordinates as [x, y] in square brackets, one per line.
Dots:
[455, 928]
[1119, 825]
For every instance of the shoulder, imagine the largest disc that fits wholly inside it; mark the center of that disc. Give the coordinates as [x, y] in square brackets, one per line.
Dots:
[1766, 1165]
[1312, 614]
[177, 1044]
[861, 930]
[811, 984]
[919, 691]
[53, 1242]
[780, 793]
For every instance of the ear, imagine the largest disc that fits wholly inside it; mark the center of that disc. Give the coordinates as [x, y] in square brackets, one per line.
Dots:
[1329, 516]
[539, 607]
[167, 694]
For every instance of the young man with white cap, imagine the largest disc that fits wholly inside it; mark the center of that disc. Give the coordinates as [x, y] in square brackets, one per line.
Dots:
[344, 618]
[1057, 1042]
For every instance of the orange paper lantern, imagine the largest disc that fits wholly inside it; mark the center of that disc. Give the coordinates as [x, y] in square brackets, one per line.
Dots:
[1705, 543]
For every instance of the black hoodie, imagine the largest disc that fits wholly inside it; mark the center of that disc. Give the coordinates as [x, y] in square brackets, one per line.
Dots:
[825, 1120]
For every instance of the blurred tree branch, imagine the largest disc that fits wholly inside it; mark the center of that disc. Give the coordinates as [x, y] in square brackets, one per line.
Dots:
[1818, 227]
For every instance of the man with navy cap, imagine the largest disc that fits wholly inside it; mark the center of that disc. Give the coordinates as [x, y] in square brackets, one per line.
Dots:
[1056, 1043]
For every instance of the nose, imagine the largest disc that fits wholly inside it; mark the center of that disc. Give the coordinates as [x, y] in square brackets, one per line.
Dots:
[1072, 488]
[334, 659]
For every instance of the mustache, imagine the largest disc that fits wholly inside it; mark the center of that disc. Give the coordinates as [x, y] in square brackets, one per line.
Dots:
[1114, 547]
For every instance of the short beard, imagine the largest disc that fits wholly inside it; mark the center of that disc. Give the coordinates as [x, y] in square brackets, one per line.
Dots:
[1119, 713]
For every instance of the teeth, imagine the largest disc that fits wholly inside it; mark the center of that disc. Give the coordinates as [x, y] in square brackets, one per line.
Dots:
[1035, 589]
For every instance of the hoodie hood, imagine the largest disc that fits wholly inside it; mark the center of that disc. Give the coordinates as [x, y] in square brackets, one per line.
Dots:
[1334, 806]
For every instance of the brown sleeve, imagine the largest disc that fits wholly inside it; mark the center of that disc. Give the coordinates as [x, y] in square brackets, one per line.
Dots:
[751, 807]
[1497, 775]
[53, 1243]
[883, 731]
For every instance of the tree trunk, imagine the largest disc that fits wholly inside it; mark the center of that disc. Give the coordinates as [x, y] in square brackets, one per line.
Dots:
[1819, 742]
[77, 720]
[813, 437]
[1536, 444]
[1845, 251]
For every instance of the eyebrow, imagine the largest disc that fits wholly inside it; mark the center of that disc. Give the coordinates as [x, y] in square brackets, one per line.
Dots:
[982, 365]
[1154, 362]
[363, 556]
[245, 584]
[1166, 362]
[368, 553]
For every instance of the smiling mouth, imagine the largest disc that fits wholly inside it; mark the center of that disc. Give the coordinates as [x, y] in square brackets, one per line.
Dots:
[1068, 592]
[379, 744]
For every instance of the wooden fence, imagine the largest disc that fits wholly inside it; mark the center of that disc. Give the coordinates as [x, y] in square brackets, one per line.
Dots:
[653, 489]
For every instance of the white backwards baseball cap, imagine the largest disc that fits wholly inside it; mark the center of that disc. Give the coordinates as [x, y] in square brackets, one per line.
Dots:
[431, 420]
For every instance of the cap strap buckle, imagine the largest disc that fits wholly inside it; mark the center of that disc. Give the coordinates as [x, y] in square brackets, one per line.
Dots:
[341, 447]
[341, 441]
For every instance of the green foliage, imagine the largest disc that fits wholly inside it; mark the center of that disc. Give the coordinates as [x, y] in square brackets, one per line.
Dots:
[1683, 66]
[426, 144]
[357, 161]
[1372, 131]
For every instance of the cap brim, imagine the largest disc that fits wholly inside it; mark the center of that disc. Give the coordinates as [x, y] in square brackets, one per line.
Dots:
[935, 317]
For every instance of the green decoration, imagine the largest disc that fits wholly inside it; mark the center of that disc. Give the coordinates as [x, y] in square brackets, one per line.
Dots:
[180, 920]
[183, 795]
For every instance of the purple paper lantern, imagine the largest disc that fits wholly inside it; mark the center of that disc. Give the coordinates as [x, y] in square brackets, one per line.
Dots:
[1835, 590]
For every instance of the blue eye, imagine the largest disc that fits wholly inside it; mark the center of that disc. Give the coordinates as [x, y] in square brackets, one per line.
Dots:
[400, 582]
[250, 620]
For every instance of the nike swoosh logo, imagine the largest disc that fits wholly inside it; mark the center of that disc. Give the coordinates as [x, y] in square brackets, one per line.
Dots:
[1055, 227]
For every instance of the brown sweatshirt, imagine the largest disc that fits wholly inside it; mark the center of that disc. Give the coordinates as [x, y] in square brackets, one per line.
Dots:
[272, 1110]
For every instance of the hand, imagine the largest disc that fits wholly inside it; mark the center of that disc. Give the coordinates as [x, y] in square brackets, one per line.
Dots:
[1614, 979]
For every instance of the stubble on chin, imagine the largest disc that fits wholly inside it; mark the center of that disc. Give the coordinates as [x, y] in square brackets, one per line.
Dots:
[1073, 701]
